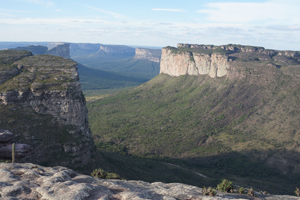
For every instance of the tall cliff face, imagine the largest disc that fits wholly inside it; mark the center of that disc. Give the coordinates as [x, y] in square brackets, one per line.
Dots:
[148, 54]
[219, 61]
[42, 104]
[176, 64]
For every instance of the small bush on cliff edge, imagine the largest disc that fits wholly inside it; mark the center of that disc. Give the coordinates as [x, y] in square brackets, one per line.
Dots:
[209, 191]
[100, 173]
[225, 186]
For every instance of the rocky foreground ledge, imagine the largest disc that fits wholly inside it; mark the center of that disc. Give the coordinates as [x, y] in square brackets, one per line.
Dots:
[29, 181]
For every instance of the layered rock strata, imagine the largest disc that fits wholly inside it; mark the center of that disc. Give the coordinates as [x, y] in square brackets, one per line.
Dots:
[29, 181]
[219, 61]
[148, 54]
[42, 103]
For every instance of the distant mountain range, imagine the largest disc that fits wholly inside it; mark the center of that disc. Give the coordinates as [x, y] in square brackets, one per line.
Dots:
[116, 67]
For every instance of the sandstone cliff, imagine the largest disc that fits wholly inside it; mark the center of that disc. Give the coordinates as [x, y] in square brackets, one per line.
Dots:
[219, 61]
[42, 104]
[29, 181]
[148, 54]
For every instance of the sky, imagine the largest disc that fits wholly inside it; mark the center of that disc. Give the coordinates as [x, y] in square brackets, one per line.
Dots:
[273, 24]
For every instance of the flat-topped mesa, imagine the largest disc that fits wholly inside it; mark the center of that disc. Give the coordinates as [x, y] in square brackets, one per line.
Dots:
[62, 49]
[117, 49]
[148, 54]
[219, 61]
[41, 102]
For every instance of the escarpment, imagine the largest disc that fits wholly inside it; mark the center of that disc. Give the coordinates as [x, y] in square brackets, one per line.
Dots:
[219, 61]
[42, 104]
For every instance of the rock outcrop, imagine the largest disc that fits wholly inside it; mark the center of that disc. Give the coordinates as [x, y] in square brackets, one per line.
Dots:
[30, 181]
[148, 54]
[41, 102]
[218, 61]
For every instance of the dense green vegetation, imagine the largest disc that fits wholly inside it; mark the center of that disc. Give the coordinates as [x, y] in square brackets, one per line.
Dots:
[17, 75]
[244, 129]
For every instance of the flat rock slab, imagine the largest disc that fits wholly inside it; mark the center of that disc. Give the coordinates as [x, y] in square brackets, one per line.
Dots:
[31, 182]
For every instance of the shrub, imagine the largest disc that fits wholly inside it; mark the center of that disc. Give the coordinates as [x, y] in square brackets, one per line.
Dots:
[209, 191]
[100, 173]
[225, 186]
[297, 191]
[240, 190]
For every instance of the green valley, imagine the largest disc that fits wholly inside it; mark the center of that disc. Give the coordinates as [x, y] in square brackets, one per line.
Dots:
[243, 128]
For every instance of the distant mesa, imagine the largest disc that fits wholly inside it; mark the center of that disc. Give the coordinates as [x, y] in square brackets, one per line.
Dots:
[62, 50]
[148, 54]
[117, 49]
[56, 49]
[218, 61]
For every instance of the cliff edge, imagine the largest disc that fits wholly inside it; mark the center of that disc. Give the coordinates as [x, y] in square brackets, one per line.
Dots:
[29, 181]
[219, 61]
[42, 104]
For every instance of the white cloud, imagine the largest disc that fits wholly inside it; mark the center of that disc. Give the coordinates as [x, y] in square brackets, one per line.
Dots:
[169, 10]
[273, 11]
[116, 15]
[284, 28]
[46, 3]
[36, 21]
[14, 11]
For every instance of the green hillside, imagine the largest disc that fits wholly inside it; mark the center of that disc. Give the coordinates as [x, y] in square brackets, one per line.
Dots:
[246, 129]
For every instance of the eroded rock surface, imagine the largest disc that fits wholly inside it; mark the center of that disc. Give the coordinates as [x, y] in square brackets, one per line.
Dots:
[31, 182]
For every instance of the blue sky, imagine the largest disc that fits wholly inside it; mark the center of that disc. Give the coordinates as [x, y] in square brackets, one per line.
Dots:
[274, 24]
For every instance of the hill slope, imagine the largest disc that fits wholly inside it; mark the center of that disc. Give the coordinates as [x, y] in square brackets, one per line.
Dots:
[243, 125]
